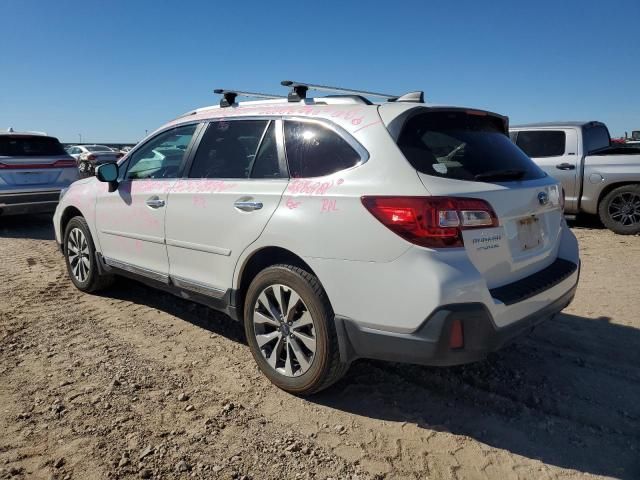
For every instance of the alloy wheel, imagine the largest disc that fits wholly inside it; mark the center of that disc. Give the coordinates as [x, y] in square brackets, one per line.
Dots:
[78, 254]
[625, 208]
[284, 330]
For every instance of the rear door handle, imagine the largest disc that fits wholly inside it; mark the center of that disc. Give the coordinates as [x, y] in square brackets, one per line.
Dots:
[566, 166]
[247, 206]
[155, 202]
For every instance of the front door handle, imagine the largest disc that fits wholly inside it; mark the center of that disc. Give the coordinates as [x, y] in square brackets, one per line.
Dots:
[566, 166]
[155, 202]
[247, 206]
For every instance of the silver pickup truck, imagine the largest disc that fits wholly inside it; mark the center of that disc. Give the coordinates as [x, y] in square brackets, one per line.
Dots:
[597, 176]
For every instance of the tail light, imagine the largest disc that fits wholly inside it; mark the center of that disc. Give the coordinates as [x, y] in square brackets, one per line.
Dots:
[91, 157]
[434, 222]
[33, 166]
[64, 164]
[562, 199]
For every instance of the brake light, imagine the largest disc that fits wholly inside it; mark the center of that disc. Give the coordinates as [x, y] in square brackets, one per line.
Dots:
[91, 157]
[434, 222]
[34, 166]
[64, 164]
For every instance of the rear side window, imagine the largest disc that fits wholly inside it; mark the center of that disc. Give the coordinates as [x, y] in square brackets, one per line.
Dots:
[228, 149]
[464, 146]
[314, 150]
[542, 143]
[595, 138]
[29, 146]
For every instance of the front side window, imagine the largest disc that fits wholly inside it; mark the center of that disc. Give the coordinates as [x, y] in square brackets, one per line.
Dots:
[228, 149]
[464, 146]
[542, 143]
[161, 156]
[314, 150]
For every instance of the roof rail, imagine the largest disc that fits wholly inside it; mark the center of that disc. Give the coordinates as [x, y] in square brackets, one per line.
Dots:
[299, 91]
[229, 96]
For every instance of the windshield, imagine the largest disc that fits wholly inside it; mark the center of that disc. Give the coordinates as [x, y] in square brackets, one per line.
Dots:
[29, 146]
[464, 146]
[98, 148]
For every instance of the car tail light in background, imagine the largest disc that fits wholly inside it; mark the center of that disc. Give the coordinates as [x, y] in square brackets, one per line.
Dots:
[434, 222]
[32, 166]
[91, 157]
[64, 164]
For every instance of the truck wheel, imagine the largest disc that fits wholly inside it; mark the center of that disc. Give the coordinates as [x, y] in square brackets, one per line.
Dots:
[80, 257]
[619, 210]
[289, 325]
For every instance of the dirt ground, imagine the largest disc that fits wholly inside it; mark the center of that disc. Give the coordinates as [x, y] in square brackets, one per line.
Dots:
[134, 383]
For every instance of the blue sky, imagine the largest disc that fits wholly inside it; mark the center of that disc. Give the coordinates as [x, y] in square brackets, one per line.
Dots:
[111, 70]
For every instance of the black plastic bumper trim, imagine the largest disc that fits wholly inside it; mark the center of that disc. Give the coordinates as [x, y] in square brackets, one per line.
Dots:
[534, 284]
[430, 344]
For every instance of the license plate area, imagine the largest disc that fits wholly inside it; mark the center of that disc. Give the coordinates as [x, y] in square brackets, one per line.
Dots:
[529, 233]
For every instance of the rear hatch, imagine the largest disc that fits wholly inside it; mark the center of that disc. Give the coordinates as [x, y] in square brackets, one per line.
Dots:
[34, 162]
[467, 153]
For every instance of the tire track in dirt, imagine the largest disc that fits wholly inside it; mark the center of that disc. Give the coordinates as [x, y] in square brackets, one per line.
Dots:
[394, 421]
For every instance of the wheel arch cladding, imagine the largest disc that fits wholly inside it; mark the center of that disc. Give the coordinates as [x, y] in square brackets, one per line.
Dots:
[261, 259]
[67, 215]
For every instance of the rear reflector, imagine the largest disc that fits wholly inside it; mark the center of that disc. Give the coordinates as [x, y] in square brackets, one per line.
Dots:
[434, 222]
[33, 166]
[456, 337]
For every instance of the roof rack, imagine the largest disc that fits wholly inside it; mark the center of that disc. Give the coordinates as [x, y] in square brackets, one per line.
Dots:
[299, 91]
[229, 96]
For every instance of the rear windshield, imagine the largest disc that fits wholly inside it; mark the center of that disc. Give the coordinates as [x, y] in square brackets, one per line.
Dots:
[98, 148]
[595, 137]
[464, 146]
[28, 146]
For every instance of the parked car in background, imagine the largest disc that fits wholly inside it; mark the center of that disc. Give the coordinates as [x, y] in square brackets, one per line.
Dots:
[34, 168]
[89, 156]
[334, 229]
[597, 177]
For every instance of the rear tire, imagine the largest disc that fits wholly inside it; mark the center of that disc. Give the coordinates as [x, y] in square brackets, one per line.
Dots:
[290, 329]
[619, 210]
[80, 257]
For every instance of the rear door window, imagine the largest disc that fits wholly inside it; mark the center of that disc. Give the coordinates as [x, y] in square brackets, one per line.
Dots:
[464, 146]
[228, 149]
[542, 143]
[29, 146]
[314, 150]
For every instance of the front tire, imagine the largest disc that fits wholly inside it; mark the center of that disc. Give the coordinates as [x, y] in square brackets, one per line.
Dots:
[290, 329]
[80, 257]
[619, 210]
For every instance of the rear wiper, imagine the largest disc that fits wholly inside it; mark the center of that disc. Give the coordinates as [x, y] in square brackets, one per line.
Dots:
[501, 175]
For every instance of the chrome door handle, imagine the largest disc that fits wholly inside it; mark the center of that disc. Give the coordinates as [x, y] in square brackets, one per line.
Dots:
[155, 202]
[565, 166]
[247, 206]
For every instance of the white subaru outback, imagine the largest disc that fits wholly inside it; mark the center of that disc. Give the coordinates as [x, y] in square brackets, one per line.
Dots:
[334, 229]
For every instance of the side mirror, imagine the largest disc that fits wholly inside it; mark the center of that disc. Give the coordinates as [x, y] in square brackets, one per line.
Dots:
[108, 172]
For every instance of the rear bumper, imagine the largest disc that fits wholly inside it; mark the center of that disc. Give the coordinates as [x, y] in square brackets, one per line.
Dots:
[31, 202]
[429, 345]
